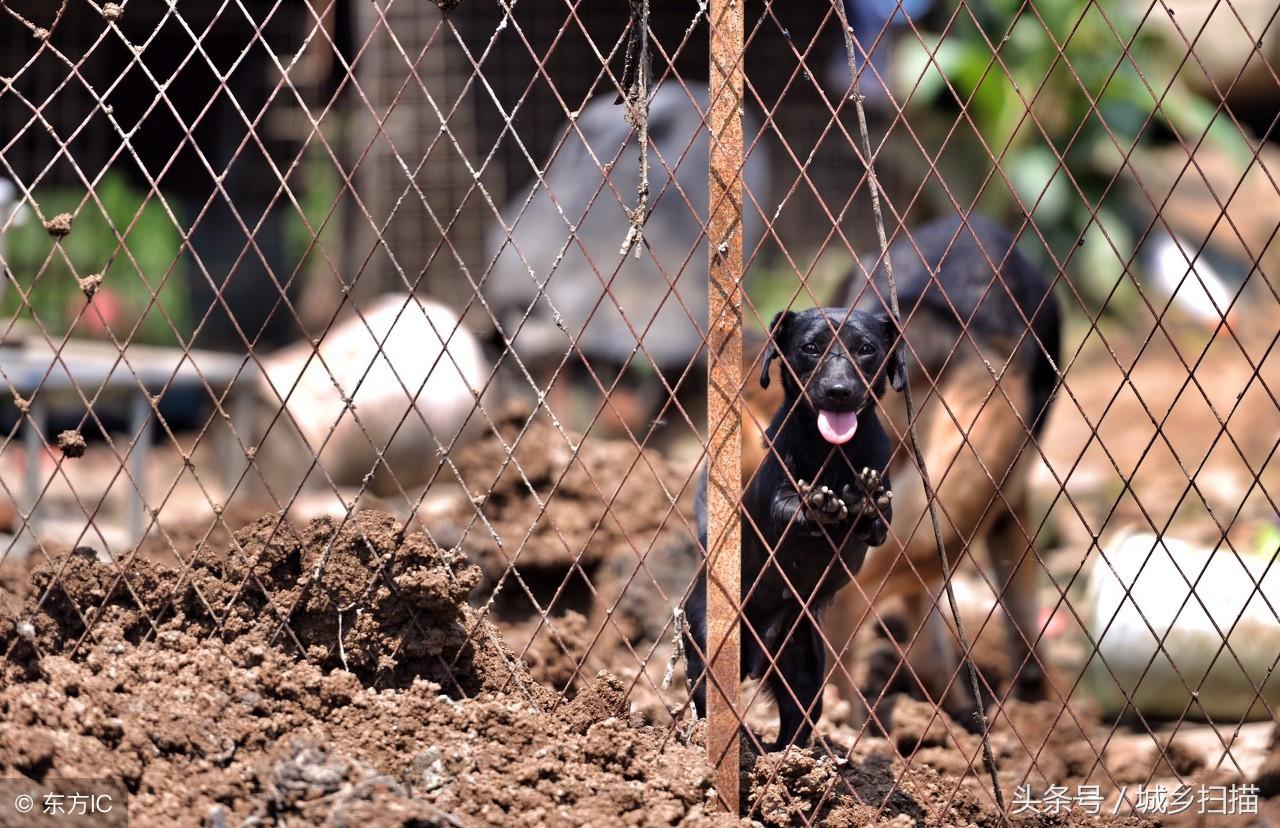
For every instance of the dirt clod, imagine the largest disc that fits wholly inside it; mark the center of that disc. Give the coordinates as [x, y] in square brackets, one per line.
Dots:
[89, 285]
[59, 225]
[918, 724]
[869, 787]
[552, 504]
[72, 444]
[362, 595]
[111, 12]
[558, 649]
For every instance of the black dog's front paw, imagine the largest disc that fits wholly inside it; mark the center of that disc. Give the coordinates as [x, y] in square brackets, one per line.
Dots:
[874, 506]
[823, 505]
[872, 495]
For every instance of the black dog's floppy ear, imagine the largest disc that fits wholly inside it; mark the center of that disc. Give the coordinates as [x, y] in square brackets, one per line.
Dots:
[777, 333]
[895, 366]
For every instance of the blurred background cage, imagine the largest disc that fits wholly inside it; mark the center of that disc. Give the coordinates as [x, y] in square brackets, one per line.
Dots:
[305, 303]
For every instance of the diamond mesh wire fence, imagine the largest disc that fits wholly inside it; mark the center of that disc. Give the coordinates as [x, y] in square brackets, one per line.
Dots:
[552, 413]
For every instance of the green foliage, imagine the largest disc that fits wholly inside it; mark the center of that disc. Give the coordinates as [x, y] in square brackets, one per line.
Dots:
[1061, 92]
[133, 241]
[1266, 543]
[316, 188]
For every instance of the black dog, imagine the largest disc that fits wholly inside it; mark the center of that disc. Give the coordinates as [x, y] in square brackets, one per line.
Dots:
[817, 502]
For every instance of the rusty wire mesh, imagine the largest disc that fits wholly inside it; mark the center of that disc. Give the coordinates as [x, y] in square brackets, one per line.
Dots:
[362, 331]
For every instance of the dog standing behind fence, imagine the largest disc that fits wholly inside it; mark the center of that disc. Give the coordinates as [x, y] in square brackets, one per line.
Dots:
[818, 501]
[989, 339]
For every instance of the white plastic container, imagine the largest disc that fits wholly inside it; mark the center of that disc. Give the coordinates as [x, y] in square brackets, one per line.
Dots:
[1235, 595]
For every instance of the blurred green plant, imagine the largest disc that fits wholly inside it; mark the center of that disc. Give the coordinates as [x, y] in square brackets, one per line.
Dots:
[94, 243]
[1057, 92]
[318, 191]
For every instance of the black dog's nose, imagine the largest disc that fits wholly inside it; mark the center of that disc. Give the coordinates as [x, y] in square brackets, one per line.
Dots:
[839, 393]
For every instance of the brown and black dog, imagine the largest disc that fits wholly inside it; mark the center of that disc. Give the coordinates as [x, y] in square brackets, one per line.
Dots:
[982, 331]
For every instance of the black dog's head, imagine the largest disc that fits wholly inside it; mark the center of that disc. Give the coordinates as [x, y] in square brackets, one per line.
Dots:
[836, 361]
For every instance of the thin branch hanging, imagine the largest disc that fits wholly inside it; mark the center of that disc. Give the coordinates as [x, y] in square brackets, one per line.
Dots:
[873, 185]
[636, 77]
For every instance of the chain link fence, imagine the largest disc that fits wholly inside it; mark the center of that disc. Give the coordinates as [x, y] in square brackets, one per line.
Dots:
[532, 412]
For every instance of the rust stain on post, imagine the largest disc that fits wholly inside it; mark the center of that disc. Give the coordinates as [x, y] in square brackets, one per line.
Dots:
[724, 386]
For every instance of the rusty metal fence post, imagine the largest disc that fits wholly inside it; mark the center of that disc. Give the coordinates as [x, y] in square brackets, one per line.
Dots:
[724, 394]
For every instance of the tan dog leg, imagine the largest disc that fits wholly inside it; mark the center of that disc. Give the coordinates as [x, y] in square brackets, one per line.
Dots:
[971, 448]
[935, 657]
[1016, 569]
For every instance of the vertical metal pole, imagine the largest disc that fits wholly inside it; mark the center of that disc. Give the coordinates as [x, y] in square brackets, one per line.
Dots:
[724, 388]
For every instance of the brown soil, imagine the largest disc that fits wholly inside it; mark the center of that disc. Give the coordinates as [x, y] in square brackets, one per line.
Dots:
[188, 688]
[71, 443]
[872, 786]
[195, 725]
[786, 786]
[337, 675]
[586, 537]
[555, 649]
[399, 603]
[551, 507]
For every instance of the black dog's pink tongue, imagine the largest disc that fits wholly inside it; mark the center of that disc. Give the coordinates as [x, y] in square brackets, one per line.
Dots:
[837, 426]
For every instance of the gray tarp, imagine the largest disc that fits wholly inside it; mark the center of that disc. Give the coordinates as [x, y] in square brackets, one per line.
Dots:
[673, 234]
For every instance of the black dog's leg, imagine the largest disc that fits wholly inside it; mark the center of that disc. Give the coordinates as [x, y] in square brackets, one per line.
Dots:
[695, 643]
[796, 685]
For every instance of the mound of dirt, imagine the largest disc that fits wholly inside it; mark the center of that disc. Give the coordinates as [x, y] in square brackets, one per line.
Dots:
[364, 596]
[798, 785]
[329, 676]
[609, 497]
[197, 728]
[872, 786]
[555, 650]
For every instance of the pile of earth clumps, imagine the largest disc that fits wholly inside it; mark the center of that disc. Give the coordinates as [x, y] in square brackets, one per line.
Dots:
[195, 728]
[337, 675]
[363, 595]
[583, 553]
[329, 676]
[552, 500]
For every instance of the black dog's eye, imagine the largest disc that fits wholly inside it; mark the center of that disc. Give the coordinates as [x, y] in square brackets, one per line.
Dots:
[867, 349]
[810, 348]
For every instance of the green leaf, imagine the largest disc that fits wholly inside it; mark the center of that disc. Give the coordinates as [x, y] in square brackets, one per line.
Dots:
[1036, 176]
